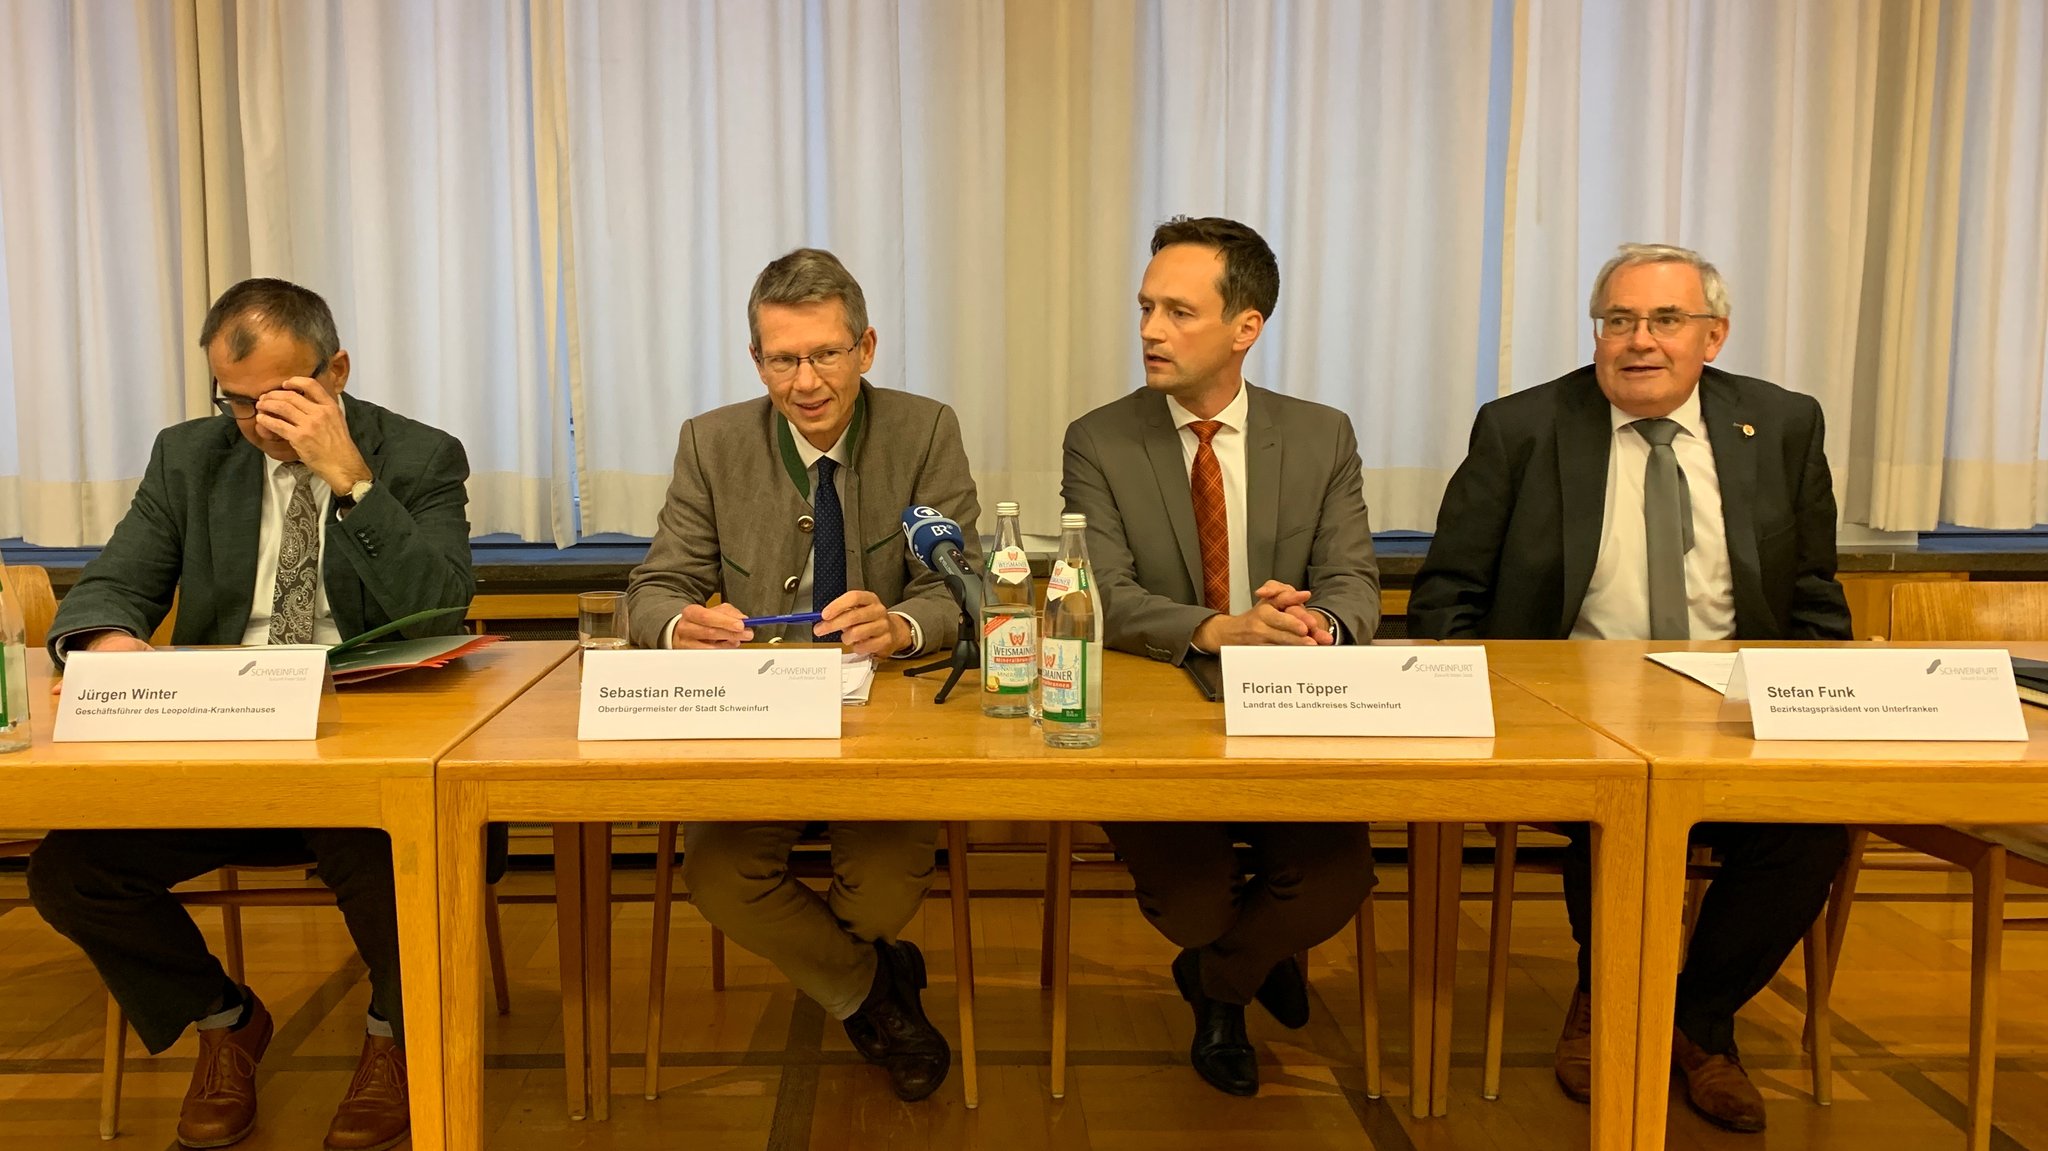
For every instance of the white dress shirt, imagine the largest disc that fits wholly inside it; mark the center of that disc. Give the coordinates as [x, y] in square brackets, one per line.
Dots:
[1617, 603]
[810, 456]
[277, 496]
[1228, 444]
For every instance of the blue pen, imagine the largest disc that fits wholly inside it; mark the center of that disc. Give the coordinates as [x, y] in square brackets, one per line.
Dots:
[773, 620]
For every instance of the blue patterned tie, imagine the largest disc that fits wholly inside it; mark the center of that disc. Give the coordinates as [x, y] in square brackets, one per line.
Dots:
[828, 543]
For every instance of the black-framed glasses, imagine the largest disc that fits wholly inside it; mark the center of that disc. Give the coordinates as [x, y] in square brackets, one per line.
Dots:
[240, 408]
[1663, 324]
[782, 366]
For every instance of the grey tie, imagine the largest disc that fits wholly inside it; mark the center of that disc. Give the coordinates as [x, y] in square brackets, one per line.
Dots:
[1667, 530]
[298, 561]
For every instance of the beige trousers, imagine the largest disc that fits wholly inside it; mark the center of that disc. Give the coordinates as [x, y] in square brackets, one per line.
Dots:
[738, 876]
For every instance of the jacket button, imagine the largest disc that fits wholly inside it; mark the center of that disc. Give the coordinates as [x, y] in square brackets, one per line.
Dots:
[789, 584]
[804, 524]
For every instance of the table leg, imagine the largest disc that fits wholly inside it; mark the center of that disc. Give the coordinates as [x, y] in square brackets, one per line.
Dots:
[409, 820]
[570, 929]
[1618, 867]
[1423, 870]
[459, 814]
[1674, 808]
[597, 969]
[1450, 871]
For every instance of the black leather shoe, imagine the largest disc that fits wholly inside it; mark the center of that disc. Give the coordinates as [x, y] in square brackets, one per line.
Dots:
[890, 1029]
[1221, 1052]
[1284, 994]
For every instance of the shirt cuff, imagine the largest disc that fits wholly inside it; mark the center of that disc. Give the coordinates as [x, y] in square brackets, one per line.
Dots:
[916, 637]
[668, 634]
[64, 643]
[1336, 628]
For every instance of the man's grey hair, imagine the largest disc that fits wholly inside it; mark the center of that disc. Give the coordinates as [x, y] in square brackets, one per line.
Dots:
[258, 306]
[1632, 255]
[807, 276]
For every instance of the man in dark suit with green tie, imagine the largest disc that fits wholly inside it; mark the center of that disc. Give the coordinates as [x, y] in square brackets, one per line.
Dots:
[1651, 496]
[291, 517]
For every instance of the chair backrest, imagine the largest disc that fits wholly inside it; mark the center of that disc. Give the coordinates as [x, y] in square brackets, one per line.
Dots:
[1970, 611]
[30, 587]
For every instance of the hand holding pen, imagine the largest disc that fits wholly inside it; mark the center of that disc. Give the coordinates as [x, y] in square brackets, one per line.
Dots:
[702, 627]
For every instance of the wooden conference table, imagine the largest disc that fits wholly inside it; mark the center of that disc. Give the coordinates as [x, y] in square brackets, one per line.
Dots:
[1163, 757]
[372, 766]
[1703, 770]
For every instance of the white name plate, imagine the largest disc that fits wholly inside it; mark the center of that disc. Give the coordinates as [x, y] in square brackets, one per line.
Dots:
[1416, 691]
[1876, 693]
[246, 693]
[751, 693]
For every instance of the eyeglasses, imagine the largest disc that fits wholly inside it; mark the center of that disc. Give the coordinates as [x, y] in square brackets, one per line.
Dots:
[1663, 325]
[242, 407]
[823, 360]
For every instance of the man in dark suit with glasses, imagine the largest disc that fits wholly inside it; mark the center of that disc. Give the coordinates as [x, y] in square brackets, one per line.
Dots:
[293, 517]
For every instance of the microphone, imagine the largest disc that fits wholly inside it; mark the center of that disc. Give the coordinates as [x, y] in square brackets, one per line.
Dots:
[935, 540]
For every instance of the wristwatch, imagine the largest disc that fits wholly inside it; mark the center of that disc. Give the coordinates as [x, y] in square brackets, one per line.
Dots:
[348, 500]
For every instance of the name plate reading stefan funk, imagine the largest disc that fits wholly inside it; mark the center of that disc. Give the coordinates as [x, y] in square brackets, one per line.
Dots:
[750, 693]
[1876, 693]
[251, 693]
[1406, 691]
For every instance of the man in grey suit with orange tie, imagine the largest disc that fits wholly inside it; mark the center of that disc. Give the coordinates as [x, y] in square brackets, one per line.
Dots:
[788, 502]
[1224, 514]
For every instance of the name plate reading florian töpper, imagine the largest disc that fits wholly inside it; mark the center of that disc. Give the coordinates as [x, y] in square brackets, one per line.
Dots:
[1408, 691]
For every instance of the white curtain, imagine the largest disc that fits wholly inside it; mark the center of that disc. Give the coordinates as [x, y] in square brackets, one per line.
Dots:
[1740, 130]
[537, 220]
[1996, 474]
[708, 139]
[1300, 120]
[91, 260]
[384, 156]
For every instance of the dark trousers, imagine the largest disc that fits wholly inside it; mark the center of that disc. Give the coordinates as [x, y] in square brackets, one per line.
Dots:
[1772, 883]
[109, 892]
[1299, 885]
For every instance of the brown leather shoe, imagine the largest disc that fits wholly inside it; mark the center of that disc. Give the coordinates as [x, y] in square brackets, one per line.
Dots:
[220, 1105]
[378, 1111]
[1717, 1085]
[1575, 1049]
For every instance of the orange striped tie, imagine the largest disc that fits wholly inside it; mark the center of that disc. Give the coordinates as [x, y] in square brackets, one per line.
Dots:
[1212, 520]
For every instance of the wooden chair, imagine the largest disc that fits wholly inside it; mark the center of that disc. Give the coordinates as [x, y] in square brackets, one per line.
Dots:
[1973, 612]
[808, 861]
[1699, 872]
[30, 587]
[1054, 956]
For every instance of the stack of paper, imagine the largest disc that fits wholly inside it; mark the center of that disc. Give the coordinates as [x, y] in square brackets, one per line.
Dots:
[856, 676]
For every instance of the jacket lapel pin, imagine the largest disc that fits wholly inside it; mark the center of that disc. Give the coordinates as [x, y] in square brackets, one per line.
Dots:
[1747, 429]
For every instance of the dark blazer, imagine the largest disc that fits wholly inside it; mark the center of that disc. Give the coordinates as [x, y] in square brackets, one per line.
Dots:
[1304, 503]
[737, 521]
[192, 529]
[1519, 529]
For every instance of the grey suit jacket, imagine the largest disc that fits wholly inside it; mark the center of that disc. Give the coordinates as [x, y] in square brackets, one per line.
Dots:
[1305, 511]
[193, 526]
[738, 517]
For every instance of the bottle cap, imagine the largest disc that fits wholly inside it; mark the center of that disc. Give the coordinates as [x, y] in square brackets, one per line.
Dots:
[1071, 520]
[1006, 508]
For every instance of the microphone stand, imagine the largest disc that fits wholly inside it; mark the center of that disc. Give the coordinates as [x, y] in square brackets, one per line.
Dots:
[966, 651]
